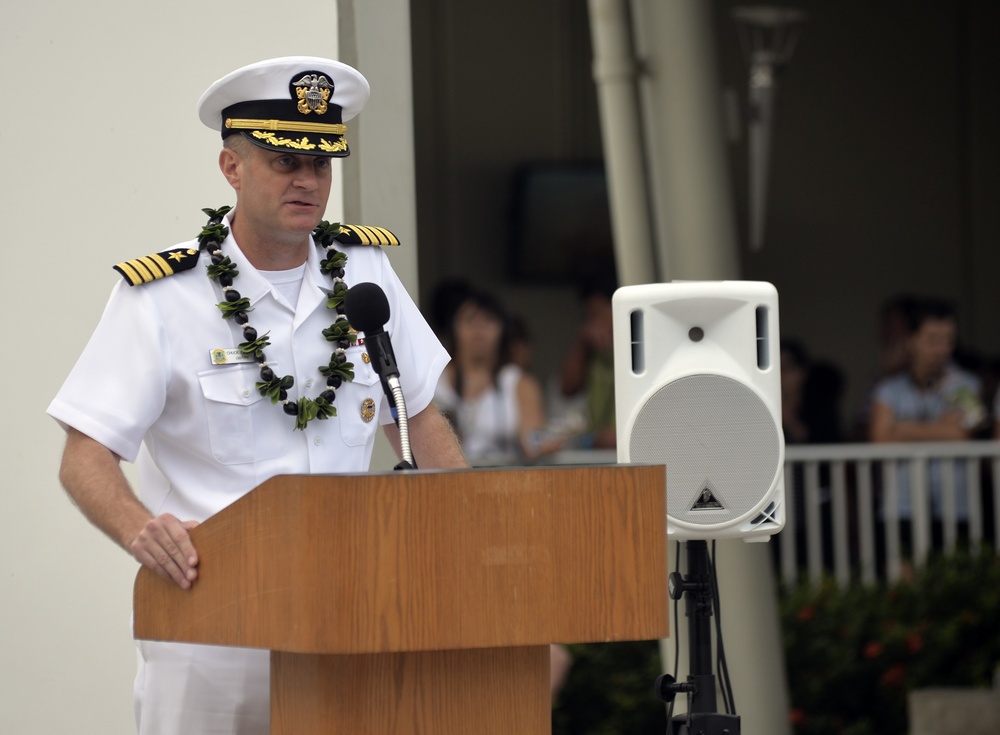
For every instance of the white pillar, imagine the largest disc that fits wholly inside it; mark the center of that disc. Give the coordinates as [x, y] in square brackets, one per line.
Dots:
[751, 629]
[379, 175]
[696, 233]
[696, 239]
[615, 74]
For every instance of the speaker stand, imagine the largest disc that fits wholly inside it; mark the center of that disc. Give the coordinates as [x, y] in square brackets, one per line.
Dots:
[702, 717]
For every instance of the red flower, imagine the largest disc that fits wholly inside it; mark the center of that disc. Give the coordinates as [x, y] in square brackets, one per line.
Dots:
[806, 613]
[914, 642]
[797, 717]
[893, 676]
[873, 650]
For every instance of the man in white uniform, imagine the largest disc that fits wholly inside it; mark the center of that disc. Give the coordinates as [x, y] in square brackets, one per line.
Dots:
[228, 360]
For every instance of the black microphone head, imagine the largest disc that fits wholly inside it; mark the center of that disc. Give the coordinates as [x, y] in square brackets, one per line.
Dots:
[366, 307]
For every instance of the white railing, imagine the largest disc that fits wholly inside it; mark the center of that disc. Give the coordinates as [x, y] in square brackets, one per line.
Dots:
[843, 502]
[841, 499]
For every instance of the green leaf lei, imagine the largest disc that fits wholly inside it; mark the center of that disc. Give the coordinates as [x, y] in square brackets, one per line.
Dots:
[223, 271]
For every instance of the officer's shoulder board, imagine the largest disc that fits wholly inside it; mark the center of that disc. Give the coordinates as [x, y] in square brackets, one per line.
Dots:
[168, 262]
[158, 265]
[365, 235]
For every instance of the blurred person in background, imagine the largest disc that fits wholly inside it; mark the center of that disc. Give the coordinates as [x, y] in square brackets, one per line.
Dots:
[810, 397]
[495, 406]
[588, 370]
[931, 400]
[893, 355]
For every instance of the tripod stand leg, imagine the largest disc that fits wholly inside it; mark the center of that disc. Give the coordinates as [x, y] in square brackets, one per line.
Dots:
[697, 589]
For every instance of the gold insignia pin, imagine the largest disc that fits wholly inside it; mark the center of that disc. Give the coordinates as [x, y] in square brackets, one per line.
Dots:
[364, 358]
[367, 409]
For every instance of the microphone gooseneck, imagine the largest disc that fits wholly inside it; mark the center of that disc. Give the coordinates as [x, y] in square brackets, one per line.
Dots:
[367, 310]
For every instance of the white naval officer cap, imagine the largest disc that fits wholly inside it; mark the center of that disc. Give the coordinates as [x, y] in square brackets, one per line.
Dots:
[296, 104]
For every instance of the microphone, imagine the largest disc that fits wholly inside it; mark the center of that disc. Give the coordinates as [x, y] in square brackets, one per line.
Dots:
[367, 310]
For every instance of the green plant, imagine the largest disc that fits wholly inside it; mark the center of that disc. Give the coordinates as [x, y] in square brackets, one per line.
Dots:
[854, 654]
[609, 691]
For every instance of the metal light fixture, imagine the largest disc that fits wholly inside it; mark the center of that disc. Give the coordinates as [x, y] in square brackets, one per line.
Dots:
[768, 34]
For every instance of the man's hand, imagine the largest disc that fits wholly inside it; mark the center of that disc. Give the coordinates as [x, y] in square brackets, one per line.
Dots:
[432, 441]
[164, 546]
[91, 474]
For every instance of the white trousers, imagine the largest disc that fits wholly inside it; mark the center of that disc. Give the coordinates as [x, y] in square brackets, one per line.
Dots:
[186, 689]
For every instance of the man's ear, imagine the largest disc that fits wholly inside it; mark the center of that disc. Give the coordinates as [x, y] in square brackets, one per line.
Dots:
[229, 164]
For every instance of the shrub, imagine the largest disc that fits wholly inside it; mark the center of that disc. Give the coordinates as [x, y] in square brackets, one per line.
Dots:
[609, 691]
[854, 654]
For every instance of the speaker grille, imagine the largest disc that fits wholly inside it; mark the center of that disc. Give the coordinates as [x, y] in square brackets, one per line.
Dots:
[720, 444]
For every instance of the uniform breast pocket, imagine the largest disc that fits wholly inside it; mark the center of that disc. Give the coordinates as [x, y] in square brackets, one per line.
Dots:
[243, 425]
[358, 404]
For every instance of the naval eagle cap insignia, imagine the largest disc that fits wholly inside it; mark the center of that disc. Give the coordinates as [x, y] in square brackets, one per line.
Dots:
[312, 90]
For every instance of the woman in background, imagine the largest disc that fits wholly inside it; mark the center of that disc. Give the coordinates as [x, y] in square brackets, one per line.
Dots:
[496, 407]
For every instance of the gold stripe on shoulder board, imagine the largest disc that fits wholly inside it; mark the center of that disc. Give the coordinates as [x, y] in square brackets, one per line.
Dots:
[365, 235]
[156, 266]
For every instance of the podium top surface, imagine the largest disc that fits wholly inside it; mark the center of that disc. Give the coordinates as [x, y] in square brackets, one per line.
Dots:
[425, 560]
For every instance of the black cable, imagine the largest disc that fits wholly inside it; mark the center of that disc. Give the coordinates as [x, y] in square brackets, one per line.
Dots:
[719, 647]
[721, 664]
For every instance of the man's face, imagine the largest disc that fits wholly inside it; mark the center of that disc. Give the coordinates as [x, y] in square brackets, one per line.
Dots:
[933, 344]
[282, 196]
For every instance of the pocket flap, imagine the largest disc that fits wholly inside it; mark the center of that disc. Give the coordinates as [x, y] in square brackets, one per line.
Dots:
[232, 385]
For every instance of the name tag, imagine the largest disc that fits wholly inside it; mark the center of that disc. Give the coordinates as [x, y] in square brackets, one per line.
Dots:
[221, 356]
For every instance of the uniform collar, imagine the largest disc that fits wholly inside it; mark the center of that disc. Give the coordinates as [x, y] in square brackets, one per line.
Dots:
[255, 286]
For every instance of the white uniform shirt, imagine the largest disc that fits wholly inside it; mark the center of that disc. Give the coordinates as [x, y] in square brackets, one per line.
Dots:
[201, 434]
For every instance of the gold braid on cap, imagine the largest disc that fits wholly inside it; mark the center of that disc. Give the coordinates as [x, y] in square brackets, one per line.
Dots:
[291, 126]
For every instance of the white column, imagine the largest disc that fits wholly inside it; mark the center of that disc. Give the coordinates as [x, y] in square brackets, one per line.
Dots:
[695, 228]
[379, 176]
[615, 74]
[696, 239]
[752, 631]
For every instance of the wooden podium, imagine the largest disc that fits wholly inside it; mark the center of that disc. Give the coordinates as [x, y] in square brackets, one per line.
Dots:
[422, 602]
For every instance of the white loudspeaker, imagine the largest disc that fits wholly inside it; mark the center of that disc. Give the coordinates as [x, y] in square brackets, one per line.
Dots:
[698, 388]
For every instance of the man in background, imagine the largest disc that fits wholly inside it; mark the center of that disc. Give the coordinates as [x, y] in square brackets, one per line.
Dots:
[931, 399]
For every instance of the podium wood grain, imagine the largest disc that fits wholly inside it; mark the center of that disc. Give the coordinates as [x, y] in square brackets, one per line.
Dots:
[394, 589]
[466, 691]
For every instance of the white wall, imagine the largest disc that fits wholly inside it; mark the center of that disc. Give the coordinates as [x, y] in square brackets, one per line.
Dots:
[104, 160]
